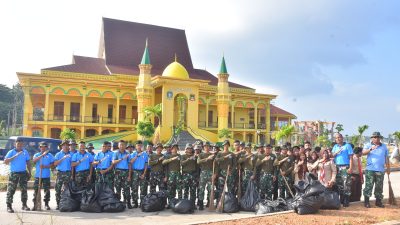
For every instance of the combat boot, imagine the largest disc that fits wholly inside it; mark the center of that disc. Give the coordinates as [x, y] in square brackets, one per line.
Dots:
[201, 206]
[379, 203]
[208, 204]
[25, 207]
[46, 205]
[9, 208]
[135, 204]
[128, 205]
[346, 201]
[366, 202]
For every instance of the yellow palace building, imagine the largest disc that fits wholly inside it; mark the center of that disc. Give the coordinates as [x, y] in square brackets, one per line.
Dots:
[106, 95]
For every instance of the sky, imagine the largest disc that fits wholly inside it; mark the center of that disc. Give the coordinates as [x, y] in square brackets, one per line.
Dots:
[334, 60]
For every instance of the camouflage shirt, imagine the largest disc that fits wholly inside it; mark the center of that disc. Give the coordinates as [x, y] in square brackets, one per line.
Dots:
[266, 166]
[155, 163]
[173, 165]
[188, 163]
[204, 162]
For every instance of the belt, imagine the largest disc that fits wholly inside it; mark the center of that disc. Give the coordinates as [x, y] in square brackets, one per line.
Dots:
[19, 172]
[63, 171]
[82, 171]
[121, 169]
[138, 170]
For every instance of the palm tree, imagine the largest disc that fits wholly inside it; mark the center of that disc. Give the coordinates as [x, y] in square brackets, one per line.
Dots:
[339, 128]
[284, 132]
[153, 111]
[361, 130]
[397, 135]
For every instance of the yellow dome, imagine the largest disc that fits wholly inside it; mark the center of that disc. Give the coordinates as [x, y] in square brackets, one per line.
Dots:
[176, 70]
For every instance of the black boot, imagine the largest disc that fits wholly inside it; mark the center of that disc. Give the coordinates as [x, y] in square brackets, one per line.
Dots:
[366, 202]
[129, 205]
[208, 204]
[346, 201]
[46, 205]
[135, 204]
[201, 205]
[25, 207]
[379, 203]
[9, 208]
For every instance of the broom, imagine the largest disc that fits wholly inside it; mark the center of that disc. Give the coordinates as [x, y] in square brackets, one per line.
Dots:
[38, 203]
[220, 207]
[211, 206]
[392, 199]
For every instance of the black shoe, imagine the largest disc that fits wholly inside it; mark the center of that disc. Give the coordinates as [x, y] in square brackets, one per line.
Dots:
[201, 205]
[46, 206]
[9, 208]
[128, 205]
[25, 207]
[379, 203]
[135, 204]
[366, 202]
[346, 202]
[208, 204]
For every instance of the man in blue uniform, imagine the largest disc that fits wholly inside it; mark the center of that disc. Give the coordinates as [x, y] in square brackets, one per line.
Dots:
[62, 162]
[121, 164]
[103, 163]
[20, 168]
[44, 161]
[343, 158]
[137, 172]
[82, 162]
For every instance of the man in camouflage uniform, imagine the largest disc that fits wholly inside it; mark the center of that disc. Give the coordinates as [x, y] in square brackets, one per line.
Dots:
[62, 162]
[206, 163]
[237, 171]
[189, 166]
[82, 163]
[277, 153]
[172, 161]
[121, 178]
[225, 160]
[137, 173]
[267, 174]
[20, 167]
[104, 167]
[198, 148]
[285, 166]
[377, 156]
[247, 162]
[157, 170]
[44, 161]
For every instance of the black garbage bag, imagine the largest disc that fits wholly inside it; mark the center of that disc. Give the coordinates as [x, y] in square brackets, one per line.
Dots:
[231, 203]
[89, 201]
[330, 200]
[289, 204]
[263, 207]
[269, 206]
[108, 200]
[154, 202]
[250, 198]
[310, 186]
[182, 206]
[67, 202]
[307, 205]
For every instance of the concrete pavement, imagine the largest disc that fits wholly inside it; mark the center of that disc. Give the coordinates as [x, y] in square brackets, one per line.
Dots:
[135, 216]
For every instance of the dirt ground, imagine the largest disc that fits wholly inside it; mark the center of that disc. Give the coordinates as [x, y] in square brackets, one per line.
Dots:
[356, 214]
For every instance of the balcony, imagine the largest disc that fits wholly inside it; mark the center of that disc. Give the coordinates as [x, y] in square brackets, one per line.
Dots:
[248, 126]
[80, 119]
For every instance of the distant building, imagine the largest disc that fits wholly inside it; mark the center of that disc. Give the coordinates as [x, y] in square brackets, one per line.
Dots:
[310, 130]
[107, 95]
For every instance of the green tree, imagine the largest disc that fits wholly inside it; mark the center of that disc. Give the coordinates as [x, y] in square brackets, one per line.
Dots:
[361, 130]
[153, 111]
[284, 133]
[68, 134]
[224, 133]
[145, 129]
[397, 135]
[323, 141]
[339, 127]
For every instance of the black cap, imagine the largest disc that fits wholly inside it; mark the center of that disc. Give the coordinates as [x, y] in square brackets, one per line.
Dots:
[248, 145]
[174, 145]
[129, 145]
[65, 142]
[139, 142]
[376, 134]
[243, 144]
[90, 145]
[226, 142]
[268, 146]
[188, 145]
[44, 144]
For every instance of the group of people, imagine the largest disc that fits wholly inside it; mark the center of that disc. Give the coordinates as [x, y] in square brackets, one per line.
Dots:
[202, 168]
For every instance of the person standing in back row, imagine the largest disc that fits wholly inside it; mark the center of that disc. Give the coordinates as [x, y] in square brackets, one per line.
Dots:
[343, 157]
[377, 156]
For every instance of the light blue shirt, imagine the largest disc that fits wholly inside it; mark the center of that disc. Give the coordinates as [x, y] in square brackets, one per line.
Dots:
[46, 160]
[104, 159]
[19, 163]
[124, 164]
[86, 159]
[376, 159]
[64, 165]
[140, 162]
[343, 158]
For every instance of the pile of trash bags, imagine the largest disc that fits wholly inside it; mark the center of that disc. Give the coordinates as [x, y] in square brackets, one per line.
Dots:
[231, 203]
[95, 198]
[268, 206]
[182, 206]
[154, 202]
[250, 198]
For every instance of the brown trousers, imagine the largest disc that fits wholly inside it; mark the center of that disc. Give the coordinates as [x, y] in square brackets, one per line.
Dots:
[356, 187]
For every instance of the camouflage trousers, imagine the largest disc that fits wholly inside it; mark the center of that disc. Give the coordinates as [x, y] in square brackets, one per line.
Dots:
[107, 178]
[17, 178]
[284, 190]
[81, 178]
[156, 179]
[174, 185]
[343, 180]
[121, 183]
[246, 175]
[188, 183]
[45, 186]
[136, 183]
[266, 185]
[62, 179]
[221, 183]
[371, 178]
[205, 182]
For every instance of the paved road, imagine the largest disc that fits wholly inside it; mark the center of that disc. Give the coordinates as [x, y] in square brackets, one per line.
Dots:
[134, 216]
